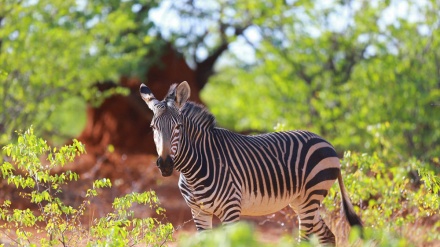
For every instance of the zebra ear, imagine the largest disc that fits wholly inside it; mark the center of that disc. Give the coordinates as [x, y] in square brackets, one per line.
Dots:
[148, 96]
[182, 94]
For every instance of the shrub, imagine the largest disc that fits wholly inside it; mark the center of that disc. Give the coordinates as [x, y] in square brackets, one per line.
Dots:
[30, 168]
[396, 199]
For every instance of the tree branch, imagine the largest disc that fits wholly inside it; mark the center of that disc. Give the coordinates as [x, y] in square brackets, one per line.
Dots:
[205, 69]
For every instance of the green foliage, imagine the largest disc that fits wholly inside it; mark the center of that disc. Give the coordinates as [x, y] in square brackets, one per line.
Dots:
[53, 52]
[243, 234]
[240, 234]
[393, 201]
[363, 80]
[56, 223]
[148, 231]
[431, 181]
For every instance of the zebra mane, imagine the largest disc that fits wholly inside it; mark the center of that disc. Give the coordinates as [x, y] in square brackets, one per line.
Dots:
[199, 115]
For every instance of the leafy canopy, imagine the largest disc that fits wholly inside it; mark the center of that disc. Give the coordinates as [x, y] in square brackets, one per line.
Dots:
[52, 53]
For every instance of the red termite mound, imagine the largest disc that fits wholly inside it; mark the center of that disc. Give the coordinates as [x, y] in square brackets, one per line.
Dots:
[123, 121]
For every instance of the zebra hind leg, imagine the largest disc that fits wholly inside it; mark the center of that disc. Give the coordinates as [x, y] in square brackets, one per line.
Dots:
[311, 223]
[319, 229]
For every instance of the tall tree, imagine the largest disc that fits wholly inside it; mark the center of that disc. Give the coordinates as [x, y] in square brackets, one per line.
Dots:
[53, 52]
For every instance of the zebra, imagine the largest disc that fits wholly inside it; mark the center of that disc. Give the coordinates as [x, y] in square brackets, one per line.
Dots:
[227, 175]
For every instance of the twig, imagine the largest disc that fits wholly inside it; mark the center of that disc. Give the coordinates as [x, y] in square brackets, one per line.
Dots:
[10, 237]
[177, 229]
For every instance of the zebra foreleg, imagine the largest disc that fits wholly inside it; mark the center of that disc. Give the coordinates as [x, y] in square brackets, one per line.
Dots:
[230, 213]
[202, 219]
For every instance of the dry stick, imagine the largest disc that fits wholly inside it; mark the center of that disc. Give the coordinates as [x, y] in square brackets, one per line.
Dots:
[10, 237]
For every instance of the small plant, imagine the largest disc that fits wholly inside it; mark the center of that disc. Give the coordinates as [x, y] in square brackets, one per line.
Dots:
[30, 168]
[148, 231]
[389, 198]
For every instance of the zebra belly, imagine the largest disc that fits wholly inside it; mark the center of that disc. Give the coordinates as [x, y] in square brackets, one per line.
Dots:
[257, 205]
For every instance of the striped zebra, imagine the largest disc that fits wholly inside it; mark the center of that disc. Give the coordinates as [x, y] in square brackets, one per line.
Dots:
[226, 174]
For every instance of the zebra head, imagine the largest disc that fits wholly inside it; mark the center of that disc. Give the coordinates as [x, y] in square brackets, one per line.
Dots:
[166, 122]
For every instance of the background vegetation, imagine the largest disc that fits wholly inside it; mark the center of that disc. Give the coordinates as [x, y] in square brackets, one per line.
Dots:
[351, 71]
[53, 53]
[363, 74]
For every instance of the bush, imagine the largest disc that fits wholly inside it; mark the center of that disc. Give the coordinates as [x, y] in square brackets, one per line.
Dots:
[30, 168]
[399, 199]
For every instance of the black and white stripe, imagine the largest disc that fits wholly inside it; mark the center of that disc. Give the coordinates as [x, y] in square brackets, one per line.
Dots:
[226, 174]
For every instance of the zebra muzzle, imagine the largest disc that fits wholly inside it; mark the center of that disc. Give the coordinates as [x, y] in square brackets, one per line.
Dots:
[165, 166]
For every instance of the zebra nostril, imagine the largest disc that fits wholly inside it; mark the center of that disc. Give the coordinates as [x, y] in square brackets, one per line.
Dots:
[159, 162]
[169, 161]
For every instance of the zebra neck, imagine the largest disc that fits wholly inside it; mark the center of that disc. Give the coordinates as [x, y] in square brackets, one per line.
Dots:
[191, 156]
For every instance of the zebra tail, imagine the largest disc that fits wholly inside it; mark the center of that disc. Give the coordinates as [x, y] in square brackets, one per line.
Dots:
[351, 216]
